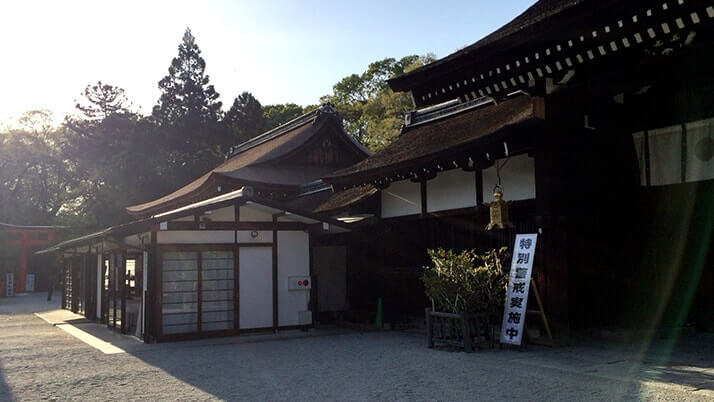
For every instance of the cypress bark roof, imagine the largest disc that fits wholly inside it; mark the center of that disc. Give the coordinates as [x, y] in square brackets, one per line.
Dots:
[345, 198]
[428, 141]
[255, 162]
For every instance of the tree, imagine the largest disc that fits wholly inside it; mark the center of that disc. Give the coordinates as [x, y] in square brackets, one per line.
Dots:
[36, 179]
[117, 155]
[102, 100]
[185, 92]
[276, 115]
[245, 117]
[119, 162]
[188, 115]
[372, 112]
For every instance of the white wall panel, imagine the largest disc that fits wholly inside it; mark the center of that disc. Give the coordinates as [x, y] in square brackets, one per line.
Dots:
[264, 236]
[226, 214]
[401, 198]
[293, 260]
[517, 179]
[248, 214]
[452, 189]
[135, 239]
[195, 237]
[256, 287]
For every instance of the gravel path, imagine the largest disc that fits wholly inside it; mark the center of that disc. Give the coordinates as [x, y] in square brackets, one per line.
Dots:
[41, 362]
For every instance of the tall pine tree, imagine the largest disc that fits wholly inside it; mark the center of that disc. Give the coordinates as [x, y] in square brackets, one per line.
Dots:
[188, 114]
[186, 95]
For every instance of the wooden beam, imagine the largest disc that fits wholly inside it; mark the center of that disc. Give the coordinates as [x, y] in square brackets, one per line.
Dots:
[422, 188]
[193, 226]
[236, 270]
[478, 177]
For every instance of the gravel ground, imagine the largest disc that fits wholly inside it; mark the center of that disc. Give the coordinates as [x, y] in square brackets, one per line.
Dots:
[40, 362]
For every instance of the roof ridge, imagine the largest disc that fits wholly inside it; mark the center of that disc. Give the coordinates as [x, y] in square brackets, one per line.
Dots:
[443, 110]
[286, 127]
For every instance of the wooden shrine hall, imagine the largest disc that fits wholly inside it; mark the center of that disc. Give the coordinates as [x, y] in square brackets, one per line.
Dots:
[594, 118]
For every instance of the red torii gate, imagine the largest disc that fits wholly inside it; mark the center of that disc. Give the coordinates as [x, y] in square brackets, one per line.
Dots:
[24, 238]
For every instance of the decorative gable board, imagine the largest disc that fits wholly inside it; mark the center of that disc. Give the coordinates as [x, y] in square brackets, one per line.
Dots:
[326, 150]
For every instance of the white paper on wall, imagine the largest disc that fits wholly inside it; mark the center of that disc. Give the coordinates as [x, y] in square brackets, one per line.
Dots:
[665, 155]
[700, 150]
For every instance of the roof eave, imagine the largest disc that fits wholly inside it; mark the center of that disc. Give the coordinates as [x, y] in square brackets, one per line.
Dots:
[368, 176]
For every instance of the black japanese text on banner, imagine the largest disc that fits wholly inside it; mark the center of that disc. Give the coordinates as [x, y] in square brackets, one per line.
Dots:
[514, 311]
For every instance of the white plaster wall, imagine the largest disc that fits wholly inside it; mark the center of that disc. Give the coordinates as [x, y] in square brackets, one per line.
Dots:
[248, 214]
[256, 287]
[401, 198]
[226, 214]
[452, 189]
[135, 240]
[264, 236]
[517, 179]
[195, 237]
[293, 260]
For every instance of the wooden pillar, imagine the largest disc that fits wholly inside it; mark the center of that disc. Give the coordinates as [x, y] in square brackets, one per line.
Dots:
[552, 192]
[236, 269]
[275, 275]
[74, 268]
[152, 310]
[144, 289]
[123, 289]
[312, 304]
[100, 284]
[63, 277]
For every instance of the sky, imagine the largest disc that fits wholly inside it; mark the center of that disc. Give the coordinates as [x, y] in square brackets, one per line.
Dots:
[281, 51]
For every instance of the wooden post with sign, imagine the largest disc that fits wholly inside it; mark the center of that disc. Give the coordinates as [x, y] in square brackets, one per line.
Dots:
[541, 313]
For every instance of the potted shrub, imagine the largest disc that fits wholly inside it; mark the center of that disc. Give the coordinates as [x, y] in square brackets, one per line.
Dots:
[467, 290]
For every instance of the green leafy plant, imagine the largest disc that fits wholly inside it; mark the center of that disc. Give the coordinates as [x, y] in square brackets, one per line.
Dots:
[466, 281]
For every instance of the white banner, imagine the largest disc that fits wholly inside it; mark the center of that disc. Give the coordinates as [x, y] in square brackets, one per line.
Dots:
[514, 311]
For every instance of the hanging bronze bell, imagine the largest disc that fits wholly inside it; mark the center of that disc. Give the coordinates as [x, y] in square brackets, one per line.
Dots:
[498, 211]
